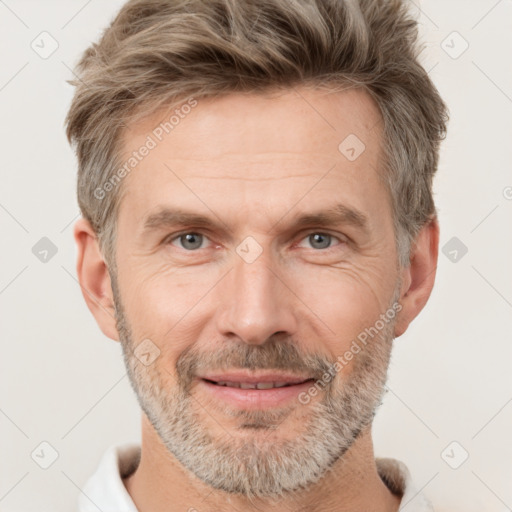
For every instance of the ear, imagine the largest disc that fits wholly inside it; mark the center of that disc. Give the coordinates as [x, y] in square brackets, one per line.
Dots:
[94, 278]
[418, 278]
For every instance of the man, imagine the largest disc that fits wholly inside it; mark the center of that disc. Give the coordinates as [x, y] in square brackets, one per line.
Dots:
[293, 145]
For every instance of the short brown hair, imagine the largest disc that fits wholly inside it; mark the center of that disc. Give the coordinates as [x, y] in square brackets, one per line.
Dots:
[157, 53]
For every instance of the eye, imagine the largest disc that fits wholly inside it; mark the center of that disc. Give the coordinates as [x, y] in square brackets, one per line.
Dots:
[189, 241]
[321, 241]
[192, 241]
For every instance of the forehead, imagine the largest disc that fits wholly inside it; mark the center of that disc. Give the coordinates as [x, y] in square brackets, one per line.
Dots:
[275, 121]
[254, 149]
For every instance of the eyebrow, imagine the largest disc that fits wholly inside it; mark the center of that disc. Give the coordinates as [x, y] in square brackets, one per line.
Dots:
[339, 214]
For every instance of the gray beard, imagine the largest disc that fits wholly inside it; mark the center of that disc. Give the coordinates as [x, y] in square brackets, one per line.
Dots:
[261, 466]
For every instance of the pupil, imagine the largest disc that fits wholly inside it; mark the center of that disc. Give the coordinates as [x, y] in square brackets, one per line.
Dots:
[193, 239]
[319, 237]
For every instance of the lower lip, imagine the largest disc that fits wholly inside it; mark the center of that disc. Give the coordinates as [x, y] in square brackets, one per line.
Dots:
[255, 398]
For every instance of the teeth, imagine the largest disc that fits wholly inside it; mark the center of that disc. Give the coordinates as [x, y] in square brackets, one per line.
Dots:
[248, 385]
[222, 383]
[265, 385]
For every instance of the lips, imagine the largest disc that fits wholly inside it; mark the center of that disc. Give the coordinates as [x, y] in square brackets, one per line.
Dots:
[254, 391]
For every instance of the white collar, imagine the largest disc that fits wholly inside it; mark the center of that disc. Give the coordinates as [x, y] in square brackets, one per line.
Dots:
[397, 477]
[105, 489]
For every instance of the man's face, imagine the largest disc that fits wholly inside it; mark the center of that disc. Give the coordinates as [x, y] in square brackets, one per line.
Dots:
[253, 292]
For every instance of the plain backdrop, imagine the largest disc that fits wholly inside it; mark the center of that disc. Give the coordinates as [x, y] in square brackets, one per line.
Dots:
[448, 411]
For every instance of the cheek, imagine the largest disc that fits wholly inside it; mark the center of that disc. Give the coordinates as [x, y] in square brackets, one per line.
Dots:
[172, 305]
[347, 301]
[161, 302]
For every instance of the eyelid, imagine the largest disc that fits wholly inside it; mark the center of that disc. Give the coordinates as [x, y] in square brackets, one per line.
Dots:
[339, 236]
[174, 236]
[301, 236]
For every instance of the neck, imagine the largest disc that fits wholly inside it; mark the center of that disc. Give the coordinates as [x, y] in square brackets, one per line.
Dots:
[161, 483]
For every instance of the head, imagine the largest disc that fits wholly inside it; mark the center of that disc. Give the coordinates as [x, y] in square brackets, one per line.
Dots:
[229, 125]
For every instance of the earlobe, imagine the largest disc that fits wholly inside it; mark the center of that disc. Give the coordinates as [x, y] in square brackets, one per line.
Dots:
[418, 278]
[94, 278]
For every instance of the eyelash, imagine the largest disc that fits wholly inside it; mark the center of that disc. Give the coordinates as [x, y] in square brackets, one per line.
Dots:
[176, 236]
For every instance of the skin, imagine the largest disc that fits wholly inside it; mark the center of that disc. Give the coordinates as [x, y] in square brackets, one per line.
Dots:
[274, 157]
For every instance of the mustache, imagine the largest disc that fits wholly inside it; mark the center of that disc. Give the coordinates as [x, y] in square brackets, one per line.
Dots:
[275, 354]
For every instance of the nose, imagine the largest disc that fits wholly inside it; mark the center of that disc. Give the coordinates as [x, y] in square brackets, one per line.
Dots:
[255, 303]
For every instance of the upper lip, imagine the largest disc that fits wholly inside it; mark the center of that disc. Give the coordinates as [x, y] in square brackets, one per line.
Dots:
[252, 378]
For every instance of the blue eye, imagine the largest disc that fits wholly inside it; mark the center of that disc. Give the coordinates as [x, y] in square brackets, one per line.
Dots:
[193, 241]
[189, 241]
[320, 240]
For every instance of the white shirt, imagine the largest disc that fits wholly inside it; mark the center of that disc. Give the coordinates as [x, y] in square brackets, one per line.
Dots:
[105, 490]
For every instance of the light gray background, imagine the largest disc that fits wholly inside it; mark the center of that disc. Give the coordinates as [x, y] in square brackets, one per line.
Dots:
[63, 382]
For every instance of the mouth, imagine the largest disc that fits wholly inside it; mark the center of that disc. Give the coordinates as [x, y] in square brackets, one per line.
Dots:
[255, 391]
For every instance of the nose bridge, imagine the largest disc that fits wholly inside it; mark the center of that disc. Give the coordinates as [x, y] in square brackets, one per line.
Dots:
[254, 303]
